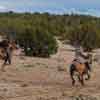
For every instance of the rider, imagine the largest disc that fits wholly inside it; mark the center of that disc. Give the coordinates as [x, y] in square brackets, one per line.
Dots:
[82, 58]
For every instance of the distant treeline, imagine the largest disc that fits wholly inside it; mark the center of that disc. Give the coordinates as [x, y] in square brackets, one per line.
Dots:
[36, 31]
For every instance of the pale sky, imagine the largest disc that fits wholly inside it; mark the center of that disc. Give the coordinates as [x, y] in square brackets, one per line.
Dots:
[91, 7]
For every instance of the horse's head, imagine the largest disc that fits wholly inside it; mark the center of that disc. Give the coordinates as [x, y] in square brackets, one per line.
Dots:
[13, 45]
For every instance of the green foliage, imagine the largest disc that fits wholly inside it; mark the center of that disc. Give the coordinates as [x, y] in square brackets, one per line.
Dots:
[37, 43]
[38, 30]
[85, 35]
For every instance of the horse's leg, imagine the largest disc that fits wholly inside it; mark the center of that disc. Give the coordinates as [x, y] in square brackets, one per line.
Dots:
[81, 79]
[5, 60]
[88, 66]
[9, 59]
[88, 75]
[72, 74]
[73, 80]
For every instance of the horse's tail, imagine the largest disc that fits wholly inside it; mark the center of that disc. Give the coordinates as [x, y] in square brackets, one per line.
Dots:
[72, 68]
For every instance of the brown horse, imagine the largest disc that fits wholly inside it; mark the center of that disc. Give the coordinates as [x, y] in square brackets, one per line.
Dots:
[81, 69]
[4, 45]
[6, 49]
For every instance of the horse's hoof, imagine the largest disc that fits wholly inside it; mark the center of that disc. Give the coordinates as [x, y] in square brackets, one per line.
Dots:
[83, 84]
[73, 84]
[86, 79]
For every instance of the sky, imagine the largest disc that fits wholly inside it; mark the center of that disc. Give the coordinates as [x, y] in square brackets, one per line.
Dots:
[87, 7]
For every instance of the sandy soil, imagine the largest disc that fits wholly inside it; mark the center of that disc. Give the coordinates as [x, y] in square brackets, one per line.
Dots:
[46, 79]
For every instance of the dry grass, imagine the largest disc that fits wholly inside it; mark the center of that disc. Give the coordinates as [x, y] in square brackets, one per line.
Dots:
[46, 79]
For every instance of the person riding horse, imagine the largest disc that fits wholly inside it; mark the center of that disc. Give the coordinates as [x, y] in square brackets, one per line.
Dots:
[83, 58]
[80, 64]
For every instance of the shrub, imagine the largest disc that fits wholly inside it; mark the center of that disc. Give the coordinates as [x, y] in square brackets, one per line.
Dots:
[85, 35]
[37, 43]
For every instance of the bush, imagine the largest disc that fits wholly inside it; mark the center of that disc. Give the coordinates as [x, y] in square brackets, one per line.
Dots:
[37, 43]
[85, 35]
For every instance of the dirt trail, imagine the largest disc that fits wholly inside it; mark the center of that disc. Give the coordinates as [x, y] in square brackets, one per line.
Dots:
[46, 79]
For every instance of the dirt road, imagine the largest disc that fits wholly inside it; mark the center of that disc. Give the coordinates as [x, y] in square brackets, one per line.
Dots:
[46, 79]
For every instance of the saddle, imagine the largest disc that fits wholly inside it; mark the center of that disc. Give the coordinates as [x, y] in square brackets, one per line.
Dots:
[77, 61]
[80, 67]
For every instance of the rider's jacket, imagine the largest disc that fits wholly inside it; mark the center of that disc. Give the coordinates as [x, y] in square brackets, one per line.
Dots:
[80, 56]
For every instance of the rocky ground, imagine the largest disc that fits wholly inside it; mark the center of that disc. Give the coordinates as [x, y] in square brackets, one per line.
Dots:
[46, 79]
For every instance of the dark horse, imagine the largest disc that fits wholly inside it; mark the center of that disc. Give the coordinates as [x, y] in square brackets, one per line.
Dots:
[3, 45]
[6, 48]
[82, 69]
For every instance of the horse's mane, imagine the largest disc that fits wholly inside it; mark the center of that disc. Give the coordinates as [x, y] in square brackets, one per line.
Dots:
[4, 43]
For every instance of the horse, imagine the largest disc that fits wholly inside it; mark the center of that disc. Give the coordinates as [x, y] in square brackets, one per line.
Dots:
[6, 49]
[81, 69]
[9, 51]
[4, 44]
